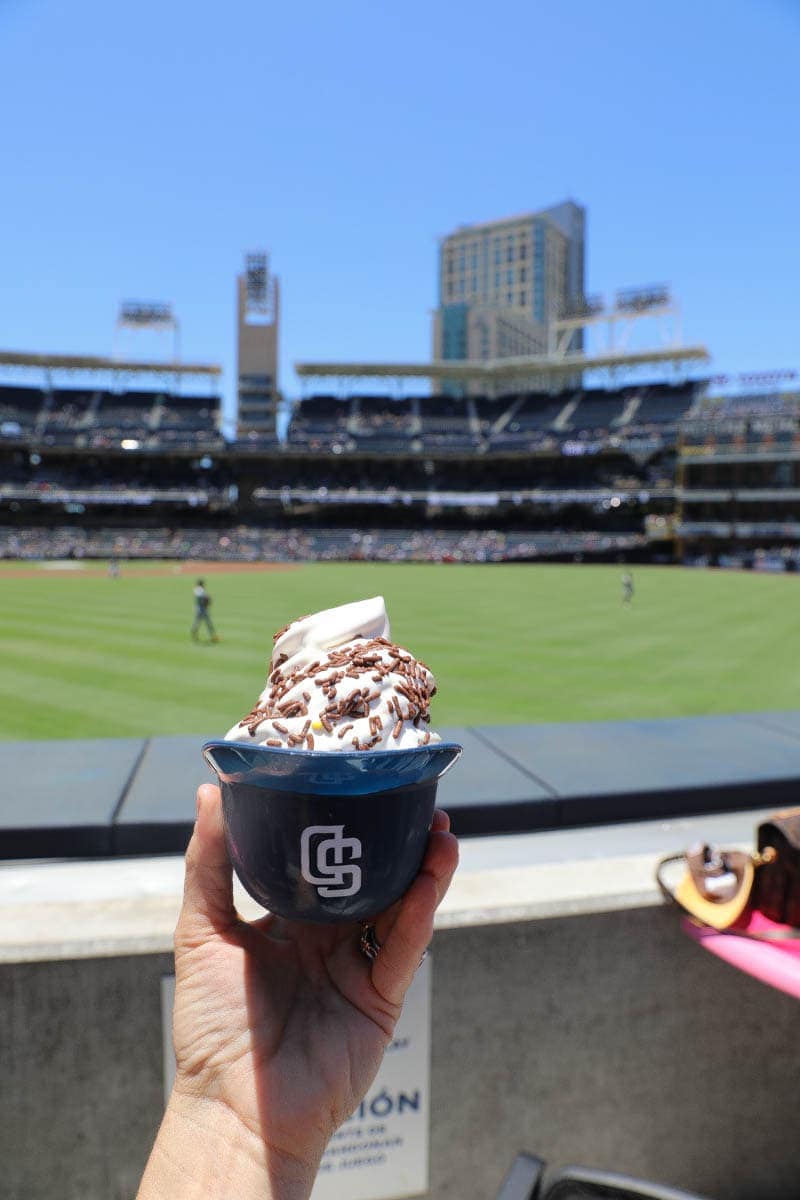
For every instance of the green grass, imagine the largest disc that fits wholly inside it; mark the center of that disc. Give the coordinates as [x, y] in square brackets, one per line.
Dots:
[94, 657]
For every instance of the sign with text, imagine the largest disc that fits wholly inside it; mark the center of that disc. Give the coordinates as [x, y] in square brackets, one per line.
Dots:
[381, 1152]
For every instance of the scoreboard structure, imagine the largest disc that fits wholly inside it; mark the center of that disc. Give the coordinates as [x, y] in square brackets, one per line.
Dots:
[258, 309]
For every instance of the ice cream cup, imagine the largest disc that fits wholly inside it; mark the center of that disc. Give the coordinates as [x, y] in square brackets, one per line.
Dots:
[316, 835]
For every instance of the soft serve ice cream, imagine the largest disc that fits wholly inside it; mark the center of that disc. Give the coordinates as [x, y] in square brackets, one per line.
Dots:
[336, 681]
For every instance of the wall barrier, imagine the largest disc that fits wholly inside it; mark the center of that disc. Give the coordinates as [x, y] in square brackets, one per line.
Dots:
[136, 796]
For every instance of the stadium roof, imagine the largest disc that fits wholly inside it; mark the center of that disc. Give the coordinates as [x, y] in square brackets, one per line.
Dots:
[89, 362]
[502, 368]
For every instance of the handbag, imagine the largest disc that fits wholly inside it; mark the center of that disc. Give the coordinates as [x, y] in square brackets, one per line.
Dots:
[722, 889]
[776, 891]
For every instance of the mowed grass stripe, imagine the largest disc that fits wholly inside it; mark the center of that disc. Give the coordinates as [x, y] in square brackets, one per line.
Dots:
[144, 675]
[515, 643]
[122, 668]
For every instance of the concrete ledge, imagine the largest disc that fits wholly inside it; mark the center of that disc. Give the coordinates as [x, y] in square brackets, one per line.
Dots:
[53, 911]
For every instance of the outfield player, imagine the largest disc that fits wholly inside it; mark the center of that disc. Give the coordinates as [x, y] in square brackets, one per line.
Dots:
[627, 589]
[202, 603]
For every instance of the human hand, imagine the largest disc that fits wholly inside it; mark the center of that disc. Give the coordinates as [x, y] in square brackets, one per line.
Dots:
[279, 1026]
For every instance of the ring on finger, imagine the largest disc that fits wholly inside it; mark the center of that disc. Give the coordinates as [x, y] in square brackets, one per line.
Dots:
[370, 947]
[368, 942]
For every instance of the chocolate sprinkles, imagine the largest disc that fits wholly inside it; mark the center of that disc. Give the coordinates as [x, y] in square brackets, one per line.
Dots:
[288, 706]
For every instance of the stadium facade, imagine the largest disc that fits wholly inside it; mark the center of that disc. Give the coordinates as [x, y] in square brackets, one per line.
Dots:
[101, 458]
[737, 482]
[654, 472]
[99, 473]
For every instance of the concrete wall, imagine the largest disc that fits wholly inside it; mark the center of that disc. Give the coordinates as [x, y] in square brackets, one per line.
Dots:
[607, 1038]
[80, 1063]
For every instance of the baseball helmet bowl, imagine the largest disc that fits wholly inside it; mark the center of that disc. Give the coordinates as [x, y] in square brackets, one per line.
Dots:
[326, 836]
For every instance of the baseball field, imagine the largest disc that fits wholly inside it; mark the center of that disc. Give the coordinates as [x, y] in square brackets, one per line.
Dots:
[85, 655]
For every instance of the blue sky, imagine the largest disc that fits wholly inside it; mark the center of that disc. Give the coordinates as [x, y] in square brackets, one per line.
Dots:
[145, 147]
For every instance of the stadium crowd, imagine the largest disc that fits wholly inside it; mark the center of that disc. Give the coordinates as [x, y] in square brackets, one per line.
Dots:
[246, 543]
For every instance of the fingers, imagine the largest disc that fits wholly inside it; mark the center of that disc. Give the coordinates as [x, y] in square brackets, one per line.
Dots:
[384, 923]
[441, 859]
[408, 938]
[441, 821]
[441, 856]
[208, 885]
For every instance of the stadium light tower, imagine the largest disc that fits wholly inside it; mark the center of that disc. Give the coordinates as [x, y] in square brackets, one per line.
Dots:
[615, 325]
[139, 315]
[258, 297]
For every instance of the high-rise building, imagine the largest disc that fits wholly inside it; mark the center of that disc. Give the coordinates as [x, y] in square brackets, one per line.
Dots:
[502, 282]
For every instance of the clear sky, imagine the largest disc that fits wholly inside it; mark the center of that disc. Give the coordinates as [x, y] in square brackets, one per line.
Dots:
[144, 147]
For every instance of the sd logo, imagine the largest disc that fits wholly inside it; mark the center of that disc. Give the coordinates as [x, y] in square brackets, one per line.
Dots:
[322, 860]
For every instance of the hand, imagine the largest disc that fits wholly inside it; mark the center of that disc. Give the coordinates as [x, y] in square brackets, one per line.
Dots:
[279, 1026]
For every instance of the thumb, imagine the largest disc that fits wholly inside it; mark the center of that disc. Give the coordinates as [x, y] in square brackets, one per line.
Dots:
[208, 885]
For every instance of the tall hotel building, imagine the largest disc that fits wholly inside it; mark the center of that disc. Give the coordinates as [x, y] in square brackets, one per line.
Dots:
[502, 282]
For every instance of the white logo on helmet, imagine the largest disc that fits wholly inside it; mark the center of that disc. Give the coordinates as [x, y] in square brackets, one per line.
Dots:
[327, 859]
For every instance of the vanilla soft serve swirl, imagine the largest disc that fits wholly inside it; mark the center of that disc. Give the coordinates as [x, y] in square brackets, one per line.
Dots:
[337, 682]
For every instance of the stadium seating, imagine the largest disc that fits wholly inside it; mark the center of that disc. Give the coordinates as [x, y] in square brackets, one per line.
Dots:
[534, 412]
[357, 423]
[126, 412]
[185, 420]
[443, 414]
[447, 422]
[96, 418]
[525, 421]
[665, 404]
[195, 414]
[68, 412]
[20, 408]
[380, 424]
[319, 422]
[598, 410]
[584, 473]
[488, 410]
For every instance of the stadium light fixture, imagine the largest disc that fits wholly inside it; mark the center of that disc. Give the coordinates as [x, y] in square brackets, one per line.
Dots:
[140, 314]
[585, 306]
[642, 299]
[259, 290]
[148, 314]
[256, 266]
